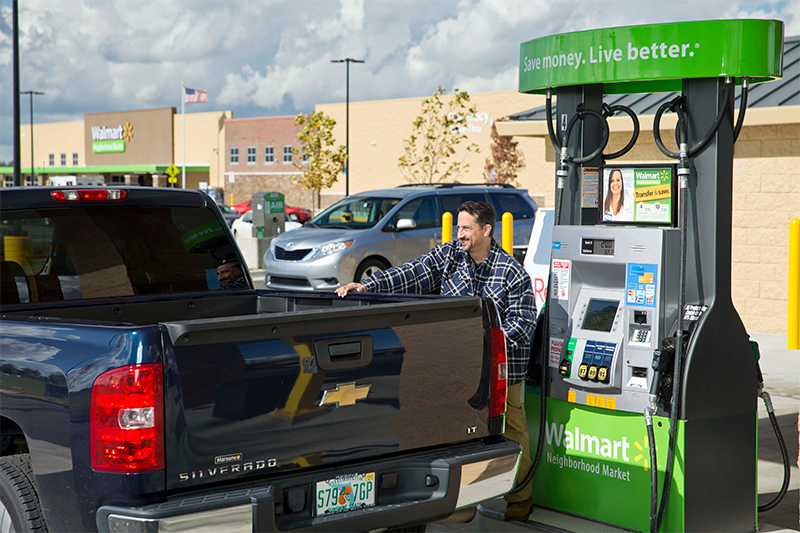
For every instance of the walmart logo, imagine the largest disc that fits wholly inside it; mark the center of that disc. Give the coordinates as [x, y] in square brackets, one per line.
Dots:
[127, 131]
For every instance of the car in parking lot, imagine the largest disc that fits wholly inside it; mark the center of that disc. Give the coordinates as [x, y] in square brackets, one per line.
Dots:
[228, 213]
[375, 230]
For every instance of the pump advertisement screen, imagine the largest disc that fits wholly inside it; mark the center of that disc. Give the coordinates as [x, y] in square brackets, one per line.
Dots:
[638, 194]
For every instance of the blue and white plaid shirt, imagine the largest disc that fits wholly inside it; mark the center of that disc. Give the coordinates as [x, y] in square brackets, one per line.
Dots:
[500, 278]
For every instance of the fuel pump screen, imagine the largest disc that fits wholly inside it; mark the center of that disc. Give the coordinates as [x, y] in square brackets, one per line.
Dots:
[600, 315]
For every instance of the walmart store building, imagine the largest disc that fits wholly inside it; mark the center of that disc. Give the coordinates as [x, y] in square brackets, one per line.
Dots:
[126, 147]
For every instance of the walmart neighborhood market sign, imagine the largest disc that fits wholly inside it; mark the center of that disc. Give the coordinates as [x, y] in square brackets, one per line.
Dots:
[653, 58]
[105, 140]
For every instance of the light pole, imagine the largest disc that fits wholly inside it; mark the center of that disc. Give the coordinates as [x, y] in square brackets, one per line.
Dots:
[347, 61]
[33, 168]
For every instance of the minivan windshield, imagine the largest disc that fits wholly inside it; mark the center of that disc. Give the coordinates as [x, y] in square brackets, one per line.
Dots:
[355, 212]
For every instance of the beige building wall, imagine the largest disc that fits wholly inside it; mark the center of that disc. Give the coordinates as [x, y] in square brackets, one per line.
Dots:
[66, 137]
[766, 197]
[378, 128]
[205, 145]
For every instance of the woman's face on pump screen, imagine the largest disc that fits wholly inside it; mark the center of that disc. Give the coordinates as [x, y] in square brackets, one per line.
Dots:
[615, 185]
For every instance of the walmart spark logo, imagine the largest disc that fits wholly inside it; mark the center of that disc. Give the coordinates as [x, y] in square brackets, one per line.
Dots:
[644, 455]
[664, 174]
[127, 131]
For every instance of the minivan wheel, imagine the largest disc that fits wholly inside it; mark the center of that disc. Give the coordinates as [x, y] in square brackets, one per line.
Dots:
[368, 268]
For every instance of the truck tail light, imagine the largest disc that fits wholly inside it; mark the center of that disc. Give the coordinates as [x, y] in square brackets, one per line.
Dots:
[499, 388]
[127, 419]
[88, 195]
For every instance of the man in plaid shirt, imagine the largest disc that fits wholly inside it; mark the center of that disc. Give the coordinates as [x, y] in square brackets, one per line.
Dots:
[476, 265]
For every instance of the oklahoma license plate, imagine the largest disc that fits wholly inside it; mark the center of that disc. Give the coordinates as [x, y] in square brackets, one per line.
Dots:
[345, 493]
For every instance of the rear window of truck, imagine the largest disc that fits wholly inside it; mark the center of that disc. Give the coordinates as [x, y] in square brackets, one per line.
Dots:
[106, 252]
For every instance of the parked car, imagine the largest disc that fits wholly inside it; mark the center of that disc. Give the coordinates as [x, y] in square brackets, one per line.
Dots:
[295, 214]
[375, 230]
[243, 225]
[229, 214]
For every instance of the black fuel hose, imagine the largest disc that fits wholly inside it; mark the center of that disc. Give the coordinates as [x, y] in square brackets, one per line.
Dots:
[545, 325]
[651, 438]
[609, 111]
[784, 455]
[549, 117]
[676, 105]
[581, 115]
[742, 109]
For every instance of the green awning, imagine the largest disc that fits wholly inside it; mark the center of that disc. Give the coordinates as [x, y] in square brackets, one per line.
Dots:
[105, 169]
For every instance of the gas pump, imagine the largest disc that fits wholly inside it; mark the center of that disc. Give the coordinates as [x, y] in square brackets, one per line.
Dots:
[647, 410]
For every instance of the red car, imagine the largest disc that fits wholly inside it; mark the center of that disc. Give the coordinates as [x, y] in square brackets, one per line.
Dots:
[296, 214]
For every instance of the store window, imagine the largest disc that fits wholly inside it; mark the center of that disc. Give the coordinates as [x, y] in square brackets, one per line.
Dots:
[63, 160]
[52, 159]
[251, 155]
[74, 159]
[117, 179]
[269, 155]
[30, 181]
[287, 154]
[8, 181]
[234, 156]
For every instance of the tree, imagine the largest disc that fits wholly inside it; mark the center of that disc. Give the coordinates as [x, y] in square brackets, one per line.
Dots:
[437, 131]
[506, 160]
[320, 163]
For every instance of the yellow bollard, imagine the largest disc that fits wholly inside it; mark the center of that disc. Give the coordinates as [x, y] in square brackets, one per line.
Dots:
[231, 199]
[793, 315]
[447, 227]
[508, 233]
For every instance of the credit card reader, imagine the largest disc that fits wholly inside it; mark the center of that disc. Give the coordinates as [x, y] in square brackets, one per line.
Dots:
[613, 298]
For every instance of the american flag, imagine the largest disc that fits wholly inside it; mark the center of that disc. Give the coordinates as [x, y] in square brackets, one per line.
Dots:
[195, 96]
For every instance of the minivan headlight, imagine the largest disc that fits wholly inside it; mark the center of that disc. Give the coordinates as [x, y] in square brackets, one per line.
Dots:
[330, 248]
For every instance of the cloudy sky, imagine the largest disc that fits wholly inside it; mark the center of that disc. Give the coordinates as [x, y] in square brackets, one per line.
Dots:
[273, 57]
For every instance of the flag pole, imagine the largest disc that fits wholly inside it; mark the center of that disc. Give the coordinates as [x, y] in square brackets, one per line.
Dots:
[183, 131]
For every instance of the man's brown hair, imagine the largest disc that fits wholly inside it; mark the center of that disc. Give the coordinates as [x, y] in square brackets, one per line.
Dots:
[483, 213]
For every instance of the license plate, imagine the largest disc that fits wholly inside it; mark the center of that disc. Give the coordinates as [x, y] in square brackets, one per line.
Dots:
[345, 493]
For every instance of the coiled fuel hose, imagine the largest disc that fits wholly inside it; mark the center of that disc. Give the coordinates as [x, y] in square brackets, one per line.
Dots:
[787, 473]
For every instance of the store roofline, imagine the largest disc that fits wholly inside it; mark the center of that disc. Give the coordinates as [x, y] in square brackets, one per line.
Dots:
[104, 169]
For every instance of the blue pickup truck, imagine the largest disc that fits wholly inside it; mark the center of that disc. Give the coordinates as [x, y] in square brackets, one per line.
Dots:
[137, 394]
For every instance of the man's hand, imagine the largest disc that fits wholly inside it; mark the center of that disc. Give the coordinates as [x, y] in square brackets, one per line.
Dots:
[355, 287]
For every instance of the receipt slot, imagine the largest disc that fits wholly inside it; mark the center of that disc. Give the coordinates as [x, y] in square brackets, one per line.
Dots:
[613, 297]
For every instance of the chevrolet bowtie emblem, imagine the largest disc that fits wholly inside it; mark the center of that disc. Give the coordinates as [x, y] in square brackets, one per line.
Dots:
[345, 394]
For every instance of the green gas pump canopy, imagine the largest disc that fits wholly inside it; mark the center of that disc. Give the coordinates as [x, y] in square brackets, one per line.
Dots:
[654, 57]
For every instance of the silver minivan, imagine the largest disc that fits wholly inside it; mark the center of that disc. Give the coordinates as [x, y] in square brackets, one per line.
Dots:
[375, 230]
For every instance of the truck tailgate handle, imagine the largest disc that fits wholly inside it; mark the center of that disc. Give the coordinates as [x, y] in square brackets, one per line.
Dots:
[340, 353]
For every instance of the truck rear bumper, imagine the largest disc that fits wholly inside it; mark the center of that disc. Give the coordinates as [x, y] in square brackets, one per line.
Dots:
[412, 489]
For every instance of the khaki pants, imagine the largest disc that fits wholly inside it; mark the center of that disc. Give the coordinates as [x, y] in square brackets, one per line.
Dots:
[517, 430]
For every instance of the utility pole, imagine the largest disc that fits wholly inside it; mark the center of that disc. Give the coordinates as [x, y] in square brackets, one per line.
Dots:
[347, 61]
[33, 168]
[15, 39]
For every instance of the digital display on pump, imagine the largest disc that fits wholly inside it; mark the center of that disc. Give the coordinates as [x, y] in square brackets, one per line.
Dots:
[600, 315]
[638, 194]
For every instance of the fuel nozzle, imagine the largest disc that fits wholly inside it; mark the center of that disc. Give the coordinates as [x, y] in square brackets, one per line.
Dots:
[662, 361]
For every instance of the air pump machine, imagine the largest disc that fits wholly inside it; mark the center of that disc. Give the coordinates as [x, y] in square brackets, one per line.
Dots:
[645, 360]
